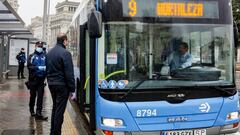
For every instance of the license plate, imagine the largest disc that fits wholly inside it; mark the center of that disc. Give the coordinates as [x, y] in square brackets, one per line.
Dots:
[200, 132]
[186, 132]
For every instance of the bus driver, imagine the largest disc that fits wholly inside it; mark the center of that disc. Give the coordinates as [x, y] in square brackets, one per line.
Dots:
[178, 60]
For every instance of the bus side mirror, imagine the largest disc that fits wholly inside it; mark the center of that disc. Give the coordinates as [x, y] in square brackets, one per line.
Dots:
[236, 34]
[95, 24]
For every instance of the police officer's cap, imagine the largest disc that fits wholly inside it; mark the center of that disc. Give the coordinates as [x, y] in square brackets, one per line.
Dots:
[39, 43]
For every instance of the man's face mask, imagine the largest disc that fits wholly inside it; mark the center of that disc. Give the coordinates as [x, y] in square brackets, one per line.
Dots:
[39, 49]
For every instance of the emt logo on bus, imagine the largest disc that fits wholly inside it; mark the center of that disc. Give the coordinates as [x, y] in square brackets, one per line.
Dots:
[180, 9]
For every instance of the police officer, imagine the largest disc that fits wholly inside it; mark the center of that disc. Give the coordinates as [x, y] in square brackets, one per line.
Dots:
[61, 82]
[37, 73]
[21, 57]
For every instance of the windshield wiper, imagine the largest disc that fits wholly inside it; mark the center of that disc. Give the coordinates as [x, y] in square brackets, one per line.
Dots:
[131, 89]
[224, 90]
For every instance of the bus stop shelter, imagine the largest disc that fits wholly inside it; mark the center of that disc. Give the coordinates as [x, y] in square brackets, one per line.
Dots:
[11, 27]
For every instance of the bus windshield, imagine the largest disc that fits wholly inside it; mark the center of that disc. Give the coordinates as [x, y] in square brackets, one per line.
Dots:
[167, 55]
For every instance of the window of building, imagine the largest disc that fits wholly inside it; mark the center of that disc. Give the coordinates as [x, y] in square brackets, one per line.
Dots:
[70, 9]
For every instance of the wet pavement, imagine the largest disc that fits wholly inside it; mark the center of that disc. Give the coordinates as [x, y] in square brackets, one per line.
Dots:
[15, 118]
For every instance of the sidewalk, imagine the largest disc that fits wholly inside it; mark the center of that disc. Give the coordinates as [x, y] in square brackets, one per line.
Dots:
[15, 118]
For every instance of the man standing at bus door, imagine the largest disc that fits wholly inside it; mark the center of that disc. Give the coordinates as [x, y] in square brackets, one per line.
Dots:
[21, 57]
[60, 77]
[37, 73]
[180, 59]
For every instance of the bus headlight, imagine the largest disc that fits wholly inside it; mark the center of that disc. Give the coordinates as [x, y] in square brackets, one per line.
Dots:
[112, 122]
[232, 116]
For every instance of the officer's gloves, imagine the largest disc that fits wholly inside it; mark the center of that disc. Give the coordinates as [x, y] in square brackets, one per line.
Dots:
[43, 68]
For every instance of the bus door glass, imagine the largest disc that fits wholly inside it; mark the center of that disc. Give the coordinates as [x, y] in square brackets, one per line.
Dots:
[87, 66]
[115, 50]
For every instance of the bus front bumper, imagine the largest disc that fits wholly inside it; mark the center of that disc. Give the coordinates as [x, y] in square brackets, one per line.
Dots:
[227, 129]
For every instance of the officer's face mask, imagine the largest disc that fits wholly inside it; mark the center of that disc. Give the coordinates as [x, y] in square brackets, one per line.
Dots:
[39, 49]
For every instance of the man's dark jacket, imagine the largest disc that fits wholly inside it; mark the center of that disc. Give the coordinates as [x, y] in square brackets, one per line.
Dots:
[60, 67]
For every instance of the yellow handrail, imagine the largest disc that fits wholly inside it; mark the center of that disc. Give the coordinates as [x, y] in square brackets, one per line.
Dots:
[85, 86]
[114, 73]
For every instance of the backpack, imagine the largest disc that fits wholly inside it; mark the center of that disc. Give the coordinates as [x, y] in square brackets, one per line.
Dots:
[17, 57]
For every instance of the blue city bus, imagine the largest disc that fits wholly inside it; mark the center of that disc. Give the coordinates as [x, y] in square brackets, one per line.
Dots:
[127, 86]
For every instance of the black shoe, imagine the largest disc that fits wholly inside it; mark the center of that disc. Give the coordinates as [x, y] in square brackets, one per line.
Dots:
[18, 78]
[23, 77]
[40, 117]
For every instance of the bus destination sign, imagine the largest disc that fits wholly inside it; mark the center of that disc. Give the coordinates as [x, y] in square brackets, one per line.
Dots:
[170, 8]
[179, 9]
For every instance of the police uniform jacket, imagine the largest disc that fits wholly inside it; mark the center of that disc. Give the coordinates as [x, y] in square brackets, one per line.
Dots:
[36, 75]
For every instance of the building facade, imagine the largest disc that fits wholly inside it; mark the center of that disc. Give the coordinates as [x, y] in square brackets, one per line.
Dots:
[36, 27]
[14, 4]
[62, 19]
